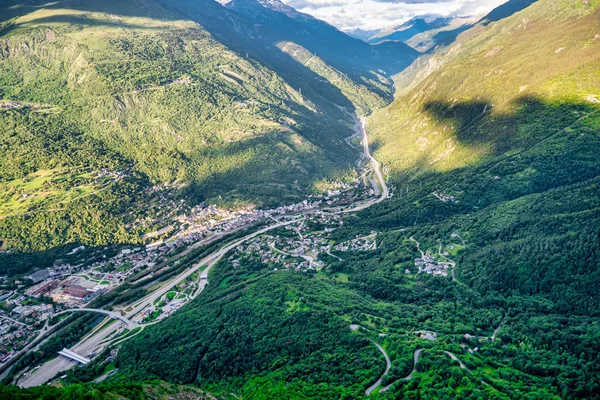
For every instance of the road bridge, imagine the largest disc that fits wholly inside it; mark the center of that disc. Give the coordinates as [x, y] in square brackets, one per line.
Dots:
[71, 355]
[113, 314]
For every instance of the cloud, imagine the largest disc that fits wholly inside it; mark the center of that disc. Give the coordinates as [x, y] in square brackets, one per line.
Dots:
[377, 14]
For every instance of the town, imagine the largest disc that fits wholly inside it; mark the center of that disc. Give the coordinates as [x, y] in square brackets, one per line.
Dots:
[30, 302]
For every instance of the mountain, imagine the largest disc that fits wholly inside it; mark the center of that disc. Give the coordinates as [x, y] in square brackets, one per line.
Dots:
[422, 33]
[105, 103]
[449, 46]
[492, 160]
[272, 22]
[361, 34]
[410, 28]
[476, 278]
[497, 145]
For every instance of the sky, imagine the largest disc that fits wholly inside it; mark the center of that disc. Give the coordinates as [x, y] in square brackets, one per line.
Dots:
[378, 14]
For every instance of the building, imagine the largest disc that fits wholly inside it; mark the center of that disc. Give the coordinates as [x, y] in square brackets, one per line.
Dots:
[76, 291]
[40, 275]
[92, 295]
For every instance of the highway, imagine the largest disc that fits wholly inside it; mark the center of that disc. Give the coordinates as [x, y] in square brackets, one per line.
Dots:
[113, 314]
[208, 261]
[88, 345]
[94, 341]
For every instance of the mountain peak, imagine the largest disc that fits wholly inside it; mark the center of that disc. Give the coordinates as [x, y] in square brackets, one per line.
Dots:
[258, 5]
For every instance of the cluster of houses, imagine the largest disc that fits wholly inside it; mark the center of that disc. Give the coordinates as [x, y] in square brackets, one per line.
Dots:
[429, 265]
[444, 197]
[299, 248]
[76, 285]
[20, 323]
[359, 243]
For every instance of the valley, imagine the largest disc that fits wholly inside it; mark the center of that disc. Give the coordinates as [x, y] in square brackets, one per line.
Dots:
[133, 317]
[236, 200]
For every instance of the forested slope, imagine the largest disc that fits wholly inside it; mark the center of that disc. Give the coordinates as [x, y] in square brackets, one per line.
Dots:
[101, 101]
[493, 162]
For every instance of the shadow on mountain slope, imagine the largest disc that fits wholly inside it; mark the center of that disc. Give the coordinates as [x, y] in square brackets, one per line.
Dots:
[541, 145]
[506, 10]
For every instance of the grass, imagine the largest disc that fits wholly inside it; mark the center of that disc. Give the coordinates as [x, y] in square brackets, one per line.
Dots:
[171, 295]
[124, 267]
[341, 277]
[109, 367]
[44, 189]
[225, 281]
[296, 306]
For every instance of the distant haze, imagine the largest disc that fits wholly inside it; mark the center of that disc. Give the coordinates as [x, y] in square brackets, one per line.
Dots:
[378, 14]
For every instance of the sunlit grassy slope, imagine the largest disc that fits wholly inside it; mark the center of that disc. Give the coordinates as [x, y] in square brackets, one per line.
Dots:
[479, 105]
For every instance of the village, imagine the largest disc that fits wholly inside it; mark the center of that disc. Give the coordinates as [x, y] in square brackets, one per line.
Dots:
[307, 246]
[437, 264]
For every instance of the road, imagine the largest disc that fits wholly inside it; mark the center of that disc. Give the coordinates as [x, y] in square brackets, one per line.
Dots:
[451, 263]
[416, 356]
[387, 369]
[15, 321]
[418, 246]
[112, 314]
[499, 327]
[42, 333]
[208, 261]
[86, 346]
[310, 259]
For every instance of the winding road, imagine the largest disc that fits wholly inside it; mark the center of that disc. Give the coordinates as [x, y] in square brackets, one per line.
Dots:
[416, 356]
[387, 370]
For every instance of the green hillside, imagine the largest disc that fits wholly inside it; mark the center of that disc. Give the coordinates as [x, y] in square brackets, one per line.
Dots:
[477, 279]
[154, 390]
[493, 160]
[100, 101]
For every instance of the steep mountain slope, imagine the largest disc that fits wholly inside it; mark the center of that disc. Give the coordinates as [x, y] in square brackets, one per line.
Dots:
[253, 28]
[340, 50]
[499, 146]
[449, 46]
[493, 159]
[102, 101]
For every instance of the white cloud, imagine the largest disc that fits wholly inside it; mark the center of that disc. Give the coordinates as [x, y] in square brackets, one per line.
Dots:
[377, 14]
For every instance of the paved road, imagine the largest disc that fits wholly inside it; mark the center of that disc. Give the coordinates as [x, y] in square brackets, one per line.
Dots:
[88, 345]
[387, 369]
[462, 366]
[42, 333]
[499, 327]
[409, 377]
[113, 314]
[418, 246]
[208, 261]
[451, 263]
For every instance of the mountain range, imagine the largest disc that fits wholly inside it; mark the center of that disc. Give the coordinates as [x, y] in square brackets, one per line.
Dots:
[243, 102]
[476, 278]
